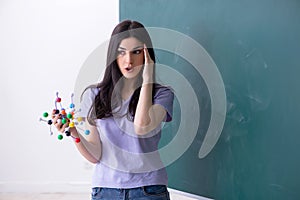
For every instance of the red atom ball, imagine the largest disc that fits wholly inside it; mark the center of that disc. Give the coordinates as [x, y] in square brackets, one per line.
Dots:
[77, 140]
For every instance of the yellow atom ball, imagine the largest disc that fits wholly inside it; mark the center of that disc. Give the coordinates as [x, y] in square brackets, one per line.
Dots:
[71, 125]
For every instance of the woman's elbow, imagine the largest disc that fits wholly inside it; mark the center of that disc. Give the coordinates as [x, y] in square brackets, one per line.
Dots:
[94, 160]
[144, 129]
[139, 130]
[141, 127]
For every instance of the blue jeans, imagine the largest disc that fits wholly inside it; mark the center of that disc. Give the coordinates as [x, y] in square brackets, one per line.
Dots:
[153, 192]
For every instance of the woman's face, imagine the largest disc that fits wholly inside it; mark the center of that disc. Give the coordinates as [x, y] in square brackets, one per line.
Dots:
[130, 57]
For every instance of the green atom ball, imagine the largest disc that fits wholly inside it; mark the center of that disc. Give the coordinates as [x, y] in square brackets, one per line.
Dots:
[45, 114]
[60, 137]
[64, 120]
[70, 116]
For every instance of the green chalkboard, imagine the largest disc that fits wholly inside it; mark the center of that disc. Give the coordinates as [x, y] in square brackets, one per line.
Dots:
[256, 46]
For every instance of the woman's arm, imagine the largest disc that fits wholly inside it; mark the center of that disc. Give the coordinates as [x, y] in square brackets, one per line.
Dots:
[147, 116]
[89, 146]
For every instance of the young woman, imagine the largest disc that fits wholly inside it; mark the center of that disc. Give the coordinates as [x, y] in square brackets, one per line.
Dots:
[124, 113]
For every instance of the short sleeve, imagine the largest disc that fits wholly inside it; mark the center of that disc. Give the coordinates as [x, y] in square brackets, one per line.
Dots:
[164, 96]
[87, 100]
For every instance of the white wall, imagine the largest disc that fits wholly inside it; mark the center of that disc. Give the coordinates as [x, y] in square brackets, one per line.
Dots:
[43, 45]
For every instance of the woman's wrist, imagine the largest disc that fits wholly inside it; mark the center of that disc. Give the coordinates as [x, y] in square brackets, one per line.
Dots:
[148, 73]
[74, 132]
[147, 79]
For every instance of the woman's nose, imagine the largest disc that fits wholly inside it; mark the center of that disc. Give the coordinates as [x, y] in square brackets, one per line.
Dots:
[128, 58]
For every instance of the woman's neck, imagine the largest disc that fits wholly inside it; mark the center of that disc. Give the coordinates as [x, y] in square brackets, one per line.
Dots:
[129, 86]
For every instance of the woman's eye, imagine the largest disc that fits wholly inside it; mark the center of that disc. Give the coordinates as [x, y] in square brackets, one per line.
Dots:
[122, 53]
[137, 51]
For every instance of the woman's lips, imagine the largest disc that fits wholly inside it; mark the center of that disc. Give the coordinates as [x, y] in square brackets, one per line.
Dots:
[128, 69]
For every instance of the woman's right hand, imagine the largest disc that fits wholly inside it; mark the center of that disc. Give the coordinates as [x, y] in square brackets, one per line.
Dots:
[89, 146]
[57, 122]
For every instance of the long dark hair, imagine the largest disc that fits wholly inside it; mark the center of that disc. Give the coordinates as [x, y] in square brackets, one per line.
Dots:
[109, 96]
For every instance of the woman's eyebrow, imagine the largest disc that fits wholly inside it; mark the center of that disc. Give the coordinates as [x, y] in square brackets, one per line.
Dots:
[138, 47]
[122, 48]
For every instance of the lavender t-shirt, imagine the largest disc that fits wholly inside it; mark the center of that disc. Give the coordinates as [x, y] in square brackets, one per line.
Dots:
[128, 160]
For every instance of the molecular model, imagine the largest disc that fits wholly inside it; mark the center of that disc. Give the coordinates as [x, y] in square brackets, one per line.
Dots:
[66, 116]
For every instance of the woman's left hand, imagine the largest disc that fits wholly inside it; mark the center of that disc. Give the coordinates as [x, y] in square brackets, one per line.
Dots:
[148, 67]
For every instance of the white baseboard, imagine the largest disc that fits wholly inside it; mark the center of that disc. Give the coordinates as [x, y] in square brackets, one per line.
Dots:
[177, 194]
[73, 187]
[44, 187]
